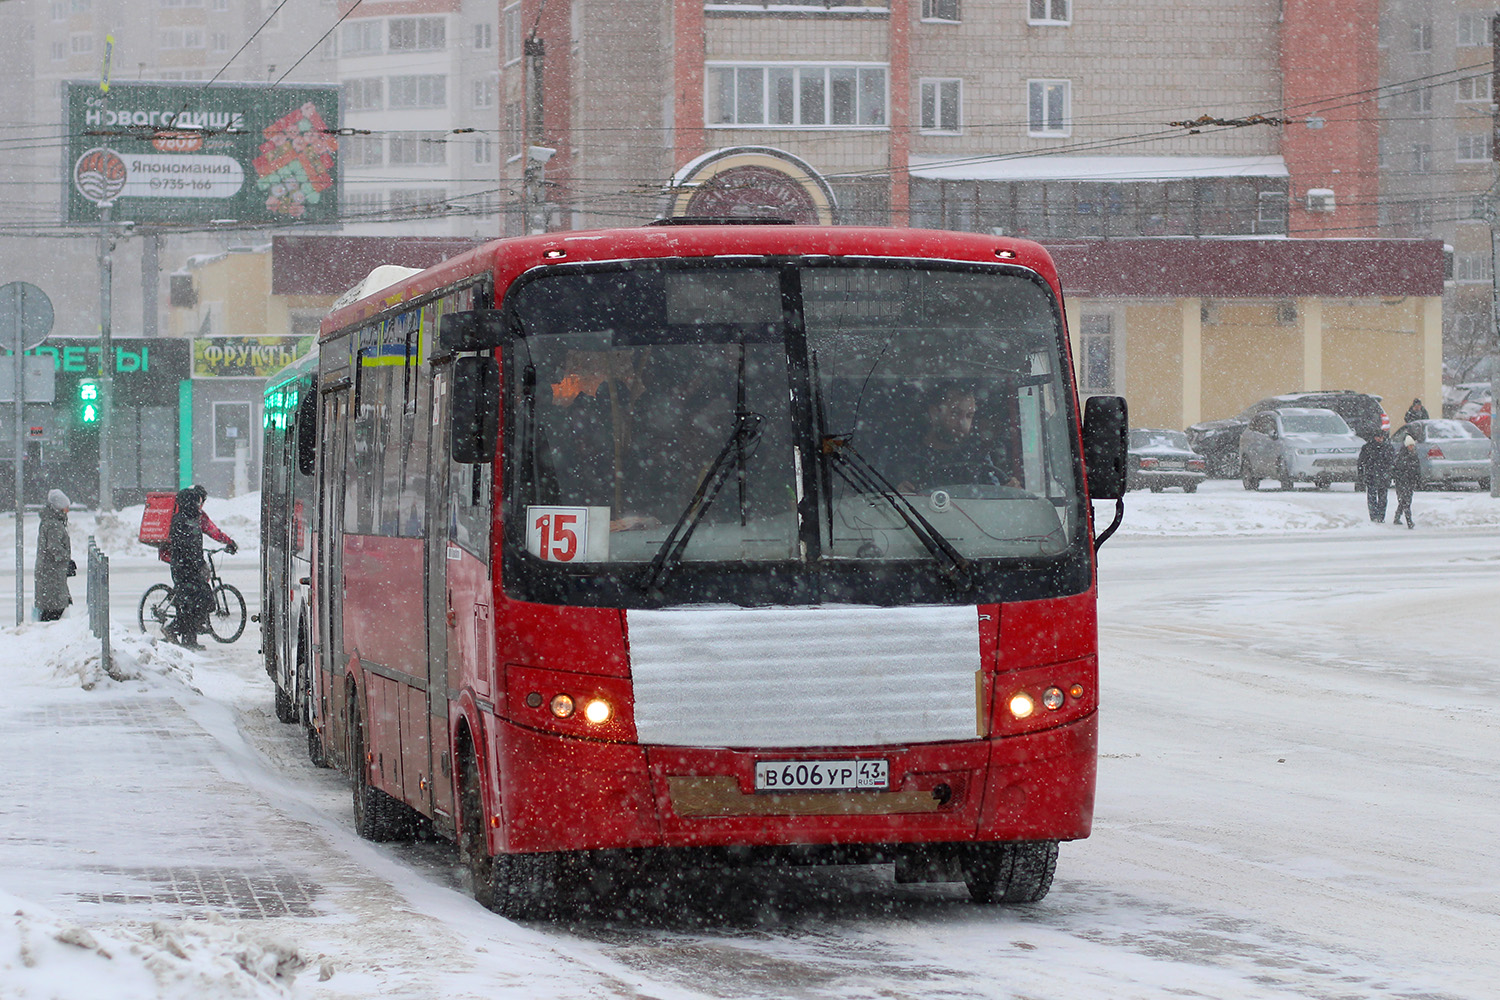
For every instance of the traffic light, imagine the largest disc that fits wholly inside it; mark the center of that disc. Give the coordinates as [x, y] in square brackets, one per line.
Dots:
[88, 401]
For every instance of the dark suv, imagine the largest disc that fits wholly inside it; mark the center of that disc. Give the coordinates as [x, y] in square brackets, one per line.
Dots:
[1218, 441]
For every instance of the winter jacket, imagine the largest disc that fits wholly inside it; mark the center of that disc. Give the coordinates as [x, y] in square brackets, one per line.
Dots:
[1375, 460]
[1407, 471]
[54, 553]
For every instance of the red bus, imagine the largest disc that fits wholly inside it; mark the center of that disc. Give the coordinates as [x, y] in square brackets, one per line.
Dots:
[733, 543]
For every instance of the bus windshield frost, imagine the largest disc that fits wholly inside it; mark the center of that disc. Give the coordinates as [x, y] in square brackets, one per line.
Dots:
[789, 432]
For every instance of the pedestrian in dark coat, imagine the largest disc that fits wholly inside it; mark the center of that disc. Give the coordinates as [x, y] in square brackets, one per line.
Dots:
[54, 558]
[1416, 411]
[191, 591]
[1406, 473]
[1375, 460]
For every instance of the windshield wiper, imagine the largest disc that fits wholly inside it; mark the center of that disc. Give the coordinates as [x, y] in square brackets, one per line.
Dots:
[746, 432]
[856, 470]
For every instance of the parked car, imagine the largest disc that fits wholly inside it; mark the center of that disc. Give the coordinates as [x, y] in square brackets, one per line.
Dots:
[1163, 458]
[1455, 396]
[1219, 440]
[1298, 444]
[1449, 451]
[1476, 406]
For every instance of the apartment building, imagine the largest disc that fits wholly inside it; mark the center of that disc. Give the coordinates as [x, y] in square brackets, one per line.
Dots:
[421, 82]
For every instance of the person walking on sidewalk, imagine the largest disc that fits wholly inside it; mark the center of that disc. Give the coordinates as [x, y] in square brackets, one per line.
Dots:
[54, 558]
[1406, 473]
[1375, 470]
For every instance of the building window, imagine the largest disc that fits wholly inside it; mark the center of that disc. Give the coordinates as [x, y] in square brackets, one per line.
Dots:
[1475, 88]
[1473, 29]
[1049, 110]
[1270, 212]
[1421, 158]
[427, 201]
[362, 150]
[59, 51]
[59, 10]
[514, 134]
[1471, 267]
[1050, 12]
[361, 38]
[512, 18]
[192, 38]
[940, 10]
[484, 93]
[418, 148]
[940, 105]
[418, 34]
[793, 96]
[1421, 36]
[363, 94]
[427, 91]
[81, 45]
[1096, 348]
[218, 41]
[231, 430]
[1473, 148]
[484, 150]
[484, 35]
[355, 205]
[1421, 99]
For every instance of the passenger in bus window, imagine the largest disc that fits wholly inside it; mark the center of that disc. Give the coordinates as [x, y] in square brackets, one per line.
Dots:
[948, 452]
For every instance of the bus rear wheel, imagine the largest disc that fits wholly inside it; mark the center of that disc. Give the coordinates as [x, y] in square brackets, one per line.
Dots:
[1012, 873]
[377, 815]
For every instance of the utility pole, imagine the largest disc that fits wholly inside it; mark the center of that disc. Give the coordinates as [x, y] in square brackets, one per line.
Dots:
[534, 188]
[106, 281]
[1494, 220]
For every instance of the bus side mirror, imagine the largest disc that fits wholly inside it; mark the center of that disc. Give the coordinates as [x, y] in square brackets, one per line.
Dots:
[1106, 441]
[474, 330]
[307, 433]
[476, 409]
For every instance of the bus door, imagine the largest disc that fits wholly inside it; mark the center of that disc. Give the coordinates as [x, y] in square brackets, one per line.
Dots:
[436, 593]
[330, 596]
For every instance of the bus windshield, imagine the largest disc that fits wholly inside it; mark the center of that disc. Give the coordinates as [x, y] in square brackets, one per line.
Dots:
[824, 412]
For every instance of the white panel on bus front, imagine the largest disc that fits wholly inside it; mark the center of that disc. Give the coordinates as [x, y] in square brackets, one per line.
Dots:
[804, 677]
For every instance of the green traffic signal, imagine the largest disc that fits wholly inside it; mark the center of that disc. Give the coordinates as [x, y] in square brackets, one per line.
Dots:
[88, 401]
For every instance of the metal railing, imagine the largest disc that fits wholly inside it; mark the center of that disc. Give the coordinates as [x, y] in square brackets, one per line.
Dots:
[98, 603]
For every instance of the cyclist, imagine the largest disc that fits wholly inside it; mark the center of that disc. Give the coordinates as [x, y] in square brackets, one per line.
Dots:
[184, 550]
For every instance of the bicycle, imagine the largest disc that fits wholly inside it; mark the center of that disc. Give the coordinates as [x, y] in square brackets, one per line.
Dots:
[226, 622]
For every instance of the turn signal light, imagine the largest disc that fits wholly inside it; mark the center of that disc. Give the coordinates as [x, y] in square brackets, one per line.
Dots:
[1053, 698]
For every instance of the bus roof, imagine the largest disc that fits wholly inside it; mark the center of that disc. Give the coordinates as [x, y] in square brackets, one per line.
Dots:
[509, 258]
[303, 366]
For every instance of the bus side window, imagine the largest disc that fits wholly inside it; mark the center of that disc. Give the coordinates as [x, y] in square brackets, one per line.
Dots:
[469, 524]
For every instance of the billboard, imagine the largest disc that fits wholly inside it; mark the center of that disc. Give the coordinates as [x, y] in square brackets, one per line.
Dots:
[185, 154]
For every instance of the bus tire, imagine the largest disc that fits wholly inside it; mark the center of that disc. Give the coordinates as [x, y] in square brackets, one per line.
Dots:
[286, 709]
[377, 816]
[516, 886]
[1012, 873]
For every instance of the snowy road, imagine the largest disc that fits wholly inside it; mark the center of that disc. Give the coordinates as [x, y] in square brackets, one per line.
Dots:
[1298, 797]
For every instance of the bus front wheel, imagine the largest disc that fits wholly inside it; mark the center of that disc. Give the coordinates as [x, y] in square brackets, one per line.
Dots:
[1012, 873]
[377, 815]
[516, 886]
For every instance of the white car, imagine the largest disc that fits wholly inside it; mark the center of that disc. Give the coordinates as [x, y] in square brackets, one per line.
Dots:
[1298, 444]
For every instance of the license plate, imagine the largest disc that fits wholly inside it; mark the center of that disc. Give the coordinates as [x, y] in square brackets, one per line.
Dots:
[822, 775]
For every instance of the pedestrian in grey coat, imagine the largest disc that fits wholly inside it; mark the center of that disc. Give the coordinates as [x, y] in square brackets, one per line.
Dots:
[54, 559]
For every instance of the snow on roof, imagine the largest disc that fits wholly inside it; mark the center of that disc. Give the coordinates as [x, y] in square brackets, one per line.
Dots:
[1094, 168]
[381, 277]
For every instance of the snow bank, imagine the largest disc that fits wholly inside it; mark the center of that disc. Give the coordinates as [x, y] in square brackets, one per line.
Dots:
[1222, 507]
[65, 653]
[45, 958]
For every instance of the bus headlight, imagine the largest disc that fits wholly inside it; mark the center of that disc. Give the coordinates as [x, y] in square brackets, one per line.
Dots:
[597, 711]
[1021, 705]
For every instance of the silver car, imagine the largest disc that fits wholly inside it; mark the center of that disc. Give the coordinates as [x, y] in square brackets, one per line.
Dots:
[1449, 451]
[1298, 444]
